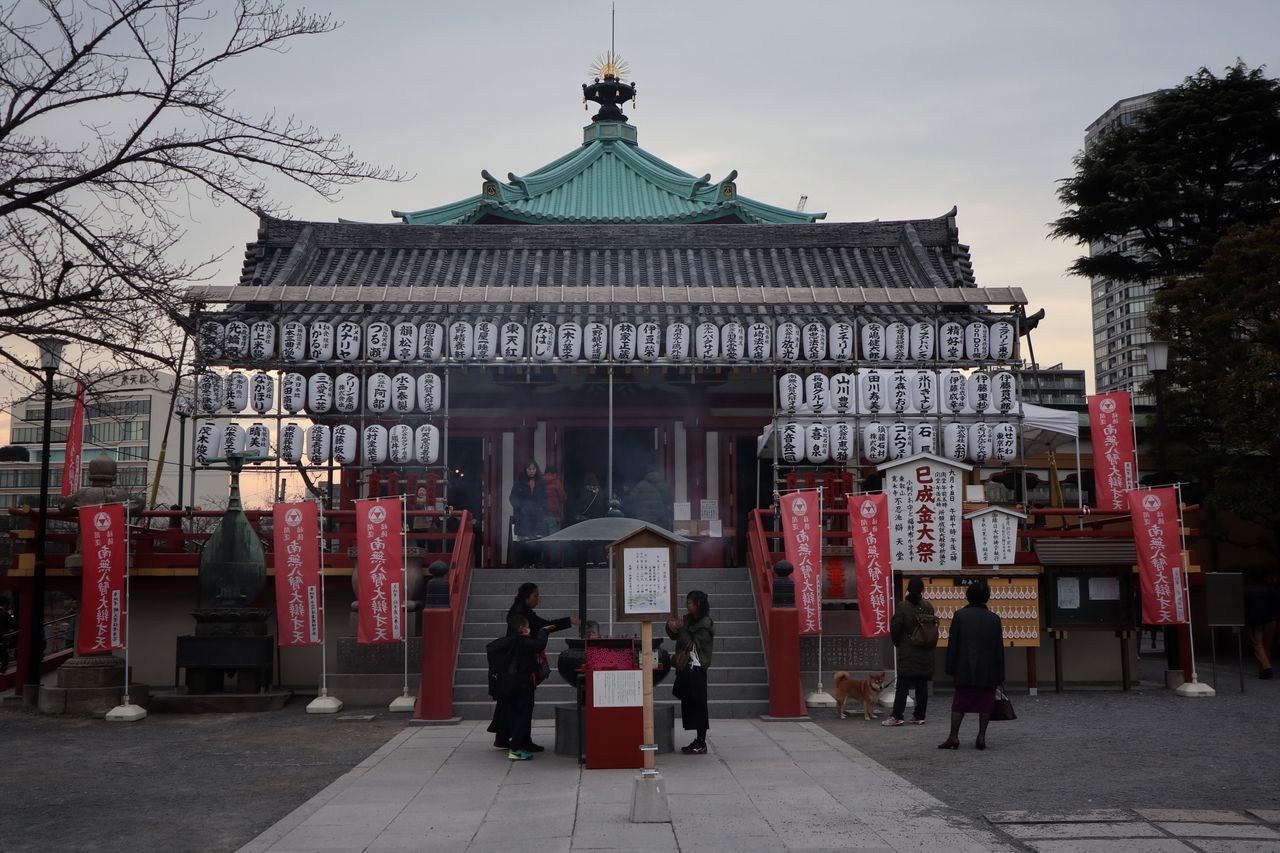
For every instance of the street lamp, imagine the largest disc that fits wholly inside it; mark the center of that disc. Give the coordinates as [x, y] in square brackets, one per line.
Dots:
[1157, 364]
[184, 406]
[50, 361]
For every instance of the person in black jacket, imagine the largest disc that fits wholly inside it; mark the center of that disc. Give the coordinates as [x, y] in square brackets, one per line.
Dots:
[526, 644]
[975, 659]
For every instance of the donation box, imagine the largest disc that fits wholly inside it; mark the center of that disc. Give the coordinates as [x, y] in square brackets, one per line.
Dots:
[615, 704]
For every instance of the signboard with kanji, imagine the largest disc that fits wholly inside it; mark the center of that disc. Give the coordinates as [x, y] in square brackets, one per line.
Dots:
[995, 534]
[925, 494]
[644, 577]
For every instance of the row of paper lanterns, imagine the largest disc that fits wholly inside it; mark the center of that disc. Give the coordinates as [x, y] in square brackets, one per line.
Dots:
[486, 340]
[819, 443]
[319, 394]
[871, 391]
[319, 444]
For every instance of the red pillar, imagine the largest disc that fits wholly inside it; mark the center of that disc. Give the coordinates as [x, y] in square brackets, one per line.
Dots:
[435, 692]
[786, 696]
[25, 615]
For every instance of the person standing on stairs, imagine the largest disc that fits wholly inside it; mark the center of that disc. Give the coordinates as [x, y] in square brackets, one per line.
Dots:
[522, 608]
[694, 634]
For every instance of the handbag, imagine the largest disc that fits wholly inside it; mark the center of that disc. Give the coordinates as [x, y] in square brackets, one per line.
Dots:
[681, 661]
[1004, 708]
[544, 668]
[925, 632]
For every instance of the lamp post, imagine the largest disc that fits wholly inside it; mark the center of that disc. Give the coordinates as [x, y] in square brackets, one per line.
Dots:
[184, 406]
[1157, 364]
[50, 360]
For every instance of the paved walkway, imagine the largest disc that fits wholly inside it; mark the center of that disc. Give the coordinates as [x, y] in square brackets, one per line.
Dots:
[763, 787]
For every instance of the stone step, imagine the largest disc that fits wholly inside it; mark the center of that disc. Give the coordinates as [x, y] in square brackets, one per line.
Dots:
[716, 675]
[555, 690]
[492, 629]
[720, 709]
[746, 644]
[550, 601]
[750, 658]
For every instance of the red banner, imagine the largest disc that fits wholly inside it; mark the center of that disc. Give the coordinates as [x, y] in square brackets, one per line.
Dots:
[1157, 533]
[299, 611]
[1115, 464]
[104, 544]
[380, 570]
[72, 460]
[802, 535]
[869, 522]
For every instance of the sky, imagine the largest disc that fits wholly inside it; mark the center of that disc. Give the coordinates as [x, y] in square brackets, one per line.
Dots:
[872, 110]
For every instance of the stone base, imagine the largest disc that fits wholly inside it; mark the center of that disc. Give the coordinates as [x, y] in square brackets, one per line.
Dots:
[324, 705]
[402, 704]
[649, 799]
[172, 702]
[359, 689]
[88, 700]
[1195, 690]
[127, 713]
[384, 658]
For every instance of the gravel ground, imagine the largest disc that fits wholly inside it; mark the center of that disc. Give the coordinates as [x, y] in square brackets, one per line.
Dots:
[1082, 750]
[208, 782]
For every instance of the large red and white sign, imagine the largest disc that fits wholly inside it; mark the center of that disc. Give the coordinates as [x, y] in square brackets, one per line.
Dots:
[72, 460]
[1157, 533]
[104, 544]
[1115, 465]
[925, 511]
[299, 612]
[802, 542]
[380, 570]
[869, 521]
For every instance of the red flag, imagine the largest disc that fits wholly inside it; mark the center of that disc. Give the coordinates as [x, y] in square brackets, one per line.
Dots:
[1115, 464]
[869, 523]
[380, 570]
[104, 544]
[75, 445]
[1157, 532]
[299, 611]
[802, 537]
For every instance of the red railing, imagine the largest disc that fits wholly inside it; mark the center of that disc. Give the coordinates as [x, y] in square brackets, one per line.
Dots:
[442, 631]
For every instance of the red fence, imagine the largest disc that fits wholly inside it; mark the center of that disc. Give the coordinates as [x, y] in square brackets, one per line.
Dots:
[442, 632]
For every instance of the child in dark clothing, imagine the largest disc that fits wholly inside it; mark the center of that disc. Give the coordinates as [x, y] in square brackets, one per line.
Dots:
[525, 648]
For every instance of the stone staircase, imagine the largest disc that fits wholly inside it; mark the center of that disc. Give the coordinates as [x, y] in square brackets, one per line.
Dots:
[738, 682]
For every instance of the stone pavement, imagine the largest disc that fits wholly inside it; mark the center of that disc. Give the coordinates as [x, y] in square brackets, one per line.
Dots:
[763, 787]
[1144, 830]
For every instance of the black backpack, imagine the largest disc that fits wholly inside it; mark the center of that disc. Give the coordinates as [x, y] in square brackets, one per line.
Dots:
[503, 678]
[925, 632]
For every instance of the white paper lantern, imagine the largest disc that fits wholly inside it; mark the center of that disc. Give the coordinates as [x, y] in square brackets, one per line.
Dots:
[321, 339]
[708, 337]
[262, 340]
[374, 445]
[1004, 438]
[319, 393]
[257, 440]
[1004, 390]
[842, 441]
[512, 341]
[346, 393]
[426, 444]
[542, 342]
[429, 392]
[980, 442]
[840, 342]
[875, 442]
[873, 343]
[262, 393]
[814, 335]
[233, 439]
[817, 444]
[899, 391]
[951, 342]
[677, 341]
[978, 392]
[569, 342]
[624, 341]
[790, 392]
[922, 341]
[1003, 340]
[955, 392]
[897, 342]
[733, 341]
[404, 341]
[205, 443]
[211, 393]
[289, 443]
[872, 391]
[235, 343]
[293, 341]
[236, 387]
[318, 444]
[842, 393]
[486, 340]
[791, 442]
[462, 339]
[293, 393]
[955, 442]
[924, 391]
[788, 342]
[899, 440]
[431, 342]
[377, 395]
[403, 393]
[648, 341]
[344, 444]
[759, 342]
[817, 393]
[400, 444]
[595, 341]
[209, 342]
[349, 337]
[976, 341]
[924, 438]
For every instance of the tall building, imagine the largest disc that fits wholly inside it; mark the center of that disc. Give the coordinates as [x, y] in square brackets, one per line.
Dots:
[1119, 308]
[1054, 386]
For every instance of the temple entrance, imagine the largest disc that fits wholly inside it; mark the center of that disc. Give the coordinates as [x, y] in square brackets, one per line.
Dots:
[586, 451]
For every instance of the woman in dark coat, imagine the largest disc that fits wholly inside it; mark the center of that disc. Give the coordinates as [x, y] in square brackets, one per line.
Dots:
[915, 663]
[697, 633]
[975, 659]
[522, 609]
[528, 507]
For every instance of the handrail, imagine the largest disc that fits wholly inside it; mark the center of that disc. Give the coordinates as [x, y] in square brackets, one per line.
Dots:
[442, 630]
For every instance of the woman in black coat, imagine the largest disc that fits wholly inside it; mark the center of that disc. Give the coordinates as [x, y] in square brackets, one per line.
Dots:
[975, 659]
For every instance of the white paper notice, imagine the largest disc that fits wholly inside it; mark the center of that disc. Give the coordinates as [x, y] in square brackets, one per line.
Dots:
[1069, 593]
[617, 689]
[682, 510]
[709, 509]
[646, 578]
[715, 528]
[1104, 589]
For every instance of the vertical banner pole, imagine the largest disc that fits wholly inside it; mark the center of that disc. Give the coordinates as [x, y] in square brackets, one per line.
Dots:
[1137, 467]
[126, 711]
[1186, 581]
[404, 702]
[821, 569]
[324, 703]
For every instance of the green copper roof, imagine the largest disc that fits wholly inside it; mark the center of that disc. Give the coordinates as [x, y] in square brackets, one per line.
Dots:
[610, 179]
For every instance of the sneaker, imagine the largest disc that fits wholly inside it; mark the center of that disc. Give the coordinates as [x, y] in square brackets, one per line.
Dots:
[891, 721]
[698, 747]
[519, 755]
[533, 747]
[1266, 674]
[917, 722]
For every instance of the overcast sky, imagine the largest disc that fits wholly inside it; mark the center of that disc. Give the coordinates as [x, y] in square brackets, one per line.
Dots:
[872, 110]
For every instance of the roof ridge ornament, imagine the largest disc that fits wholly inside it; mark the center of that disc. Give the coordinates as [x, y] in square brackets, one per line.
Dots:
[608, 88]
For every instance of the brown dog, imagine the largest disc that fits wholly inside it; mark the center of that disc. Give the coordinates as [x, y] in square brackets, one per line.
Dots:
[863, 690]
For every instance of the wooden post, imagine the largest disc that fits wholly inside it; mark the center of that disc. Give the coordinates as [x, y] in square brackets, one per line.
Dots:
[1033, 679]
[646, 664]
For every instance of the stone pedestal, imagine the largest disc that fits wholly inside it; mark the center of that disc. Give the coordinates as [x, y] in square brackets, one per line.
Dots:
[89, 684]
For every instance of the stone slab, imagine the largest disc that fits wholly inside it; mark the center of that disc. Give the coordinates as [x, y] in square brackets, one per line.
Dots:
[1197, 815]
[1236, 845]
[1268, 815]
[1103, 845]
[1221, 830]
[1131, 829]
[1089, 816]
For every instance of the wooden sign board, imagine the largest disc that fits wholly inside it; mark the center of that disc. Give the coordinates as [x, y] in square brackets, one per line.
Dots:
[644, 578]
